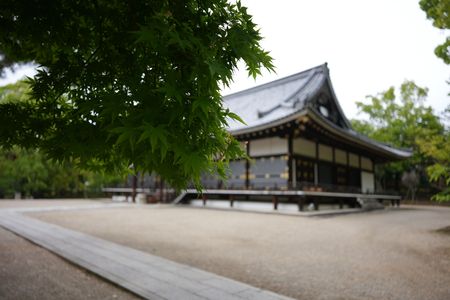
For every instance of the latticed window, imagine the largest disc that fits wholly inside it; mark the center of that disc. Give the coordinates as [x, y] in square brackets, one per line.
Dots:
[341, 175]
[305, 170]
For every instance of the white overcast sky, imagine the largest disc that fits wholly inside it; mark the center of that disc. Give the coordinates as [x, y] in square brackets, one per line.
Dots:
[369, 46]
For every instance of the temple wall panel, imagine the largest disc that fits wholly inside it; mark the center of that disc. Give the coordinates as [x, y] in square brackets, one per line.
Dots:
[236, 177]
[366, 163]
[268, 146]
[304, 147]
[269, 172]
[353, 160]
[340, 156]
[272, 183]
[210, 181]
[325, 153]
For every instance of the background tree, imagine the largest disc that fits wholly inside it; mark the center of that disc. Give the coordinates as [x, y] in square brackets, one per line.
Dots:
[21, 172]
[438, 148]
[27, 172]
[125, 83]
[439, 12]
[30, 173]
[400, 121]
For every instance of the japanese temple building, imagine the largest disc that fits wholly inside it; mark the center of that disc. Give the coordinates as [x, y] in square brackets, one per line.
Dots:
[303, 150]
[298, 138]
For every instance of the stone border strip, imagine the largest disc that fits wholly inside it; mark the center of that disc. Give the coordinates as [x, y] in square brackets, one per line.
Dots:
[146, 275]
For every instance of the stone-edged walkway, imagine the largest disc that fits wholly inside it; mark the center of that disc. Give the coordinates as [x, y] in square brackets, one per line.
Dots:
[146, 275]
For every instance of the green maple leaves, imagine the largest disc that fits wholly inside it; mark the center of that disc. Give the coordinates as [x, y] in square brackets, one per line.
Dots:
[133, 83]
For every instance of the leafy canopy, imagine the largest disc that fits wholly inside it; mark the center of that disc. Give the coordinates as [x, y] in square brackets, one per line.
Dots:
[438, 148]
[407, 122]
[439, 12]
[125, 83]
[399, 120]
[30, 173]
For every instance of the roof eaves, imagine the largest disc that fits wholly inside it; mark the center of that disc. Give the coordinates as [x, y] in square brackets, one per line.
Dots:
[350, 134]
[270, 124]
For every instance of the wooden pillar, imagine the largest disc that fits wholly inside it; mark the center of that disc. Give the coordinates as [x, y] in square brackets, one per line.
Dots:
[348, 170]
[231, 200]
[204, 198]
[275, 202]
[142, 180]
[334, 167]
[133, 192]
[289, 162]
[316, 203]
[397, 180]
[316, 166]
[247, 166]
[300, 203]
[161, 189]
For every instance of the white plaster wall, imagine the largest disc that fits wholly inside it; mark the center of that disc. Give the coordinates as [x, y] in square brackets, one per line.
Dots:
[367, 182]
[269, 146]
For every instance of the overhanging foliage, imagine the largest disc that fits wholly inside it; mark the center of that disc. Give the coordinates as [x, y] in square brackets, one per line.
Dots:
[125, 83]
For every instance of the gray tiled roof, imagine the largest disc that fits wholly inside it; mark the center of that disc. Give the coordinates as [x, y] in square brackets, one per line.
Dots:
[286, 98]
[274, 100]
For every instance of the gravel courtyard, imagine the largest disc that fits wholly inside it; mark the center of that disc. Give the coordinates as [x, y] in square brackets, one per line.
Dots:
[392, 254]
[28, 271]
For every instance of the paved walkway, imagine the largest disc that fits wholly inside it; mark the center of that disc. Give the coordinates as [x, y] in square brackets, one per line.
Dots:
[149, 276]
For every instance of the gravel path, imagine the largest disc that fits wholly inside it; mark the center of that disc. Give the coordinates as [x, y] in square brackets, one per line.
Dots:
[29, 272]
[49, 202]
[394, 254]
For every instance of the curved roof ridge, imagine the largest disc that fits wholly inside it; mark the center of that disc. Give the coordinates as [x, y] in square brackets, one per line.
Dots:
[326, 71]
[277, 81]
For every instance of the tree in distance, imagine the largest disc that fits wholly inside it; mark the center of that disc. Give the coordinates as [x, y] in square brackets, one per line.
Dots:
[29, 173]
[406, 122]
[438, 146]
[123, 83]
